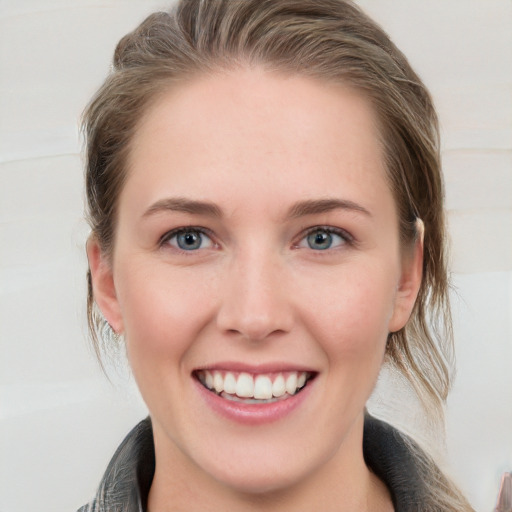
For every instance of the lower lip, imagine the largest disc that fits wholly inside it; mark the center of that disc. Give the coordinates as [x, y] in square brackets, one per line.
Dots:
[253, 414]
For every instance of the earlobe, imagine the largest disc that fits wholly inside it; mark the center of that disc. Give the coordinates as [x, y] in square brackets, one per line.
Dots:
[410, 282]
[104, 290]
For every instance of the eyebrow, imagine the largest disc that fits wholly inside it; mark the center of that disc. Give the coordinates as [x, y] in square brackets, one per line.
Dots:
[299, 209]
[181, 204]
[318, 206]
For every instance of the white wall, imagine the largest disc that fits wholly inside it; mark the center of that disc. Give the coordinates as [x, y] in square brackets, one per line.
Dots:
[60, 419]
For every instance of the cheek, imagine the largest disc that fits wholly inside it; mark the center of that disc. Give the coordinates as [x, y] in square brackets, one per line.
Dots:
[351, 314]
[163, 310]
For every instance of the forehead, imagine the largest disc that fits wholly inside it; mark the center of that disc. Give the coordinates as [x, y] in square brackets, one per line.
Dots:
[258, 131]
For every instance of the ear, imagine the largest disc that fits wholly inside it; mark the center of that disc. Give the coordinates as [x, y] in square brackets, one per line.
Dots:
[103, 286]
[410, 282]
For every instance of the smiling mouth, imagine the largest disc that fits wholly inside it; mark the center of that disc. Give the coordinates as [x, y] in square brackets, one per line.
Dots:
[254, 388]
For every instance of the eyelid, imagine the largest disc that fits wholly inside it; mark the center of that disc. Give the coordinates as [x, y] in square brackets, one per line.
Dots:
[345, 235]
[176, 231]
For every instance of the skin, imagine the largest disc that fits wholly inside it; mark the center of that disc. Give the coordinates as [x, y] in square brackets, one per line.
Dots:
[253, 144]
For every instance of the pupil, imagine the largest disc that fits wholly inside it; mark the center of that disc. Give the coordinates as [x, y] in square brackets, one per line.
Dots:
[190, 239]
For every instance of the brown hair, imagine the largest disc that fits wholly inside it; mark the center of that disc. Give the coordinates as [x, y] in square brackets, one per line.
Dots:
[331, 40]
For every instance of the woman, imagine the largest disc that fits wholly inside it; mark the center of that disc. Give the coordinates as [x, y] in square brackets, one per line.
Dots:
[265, 198]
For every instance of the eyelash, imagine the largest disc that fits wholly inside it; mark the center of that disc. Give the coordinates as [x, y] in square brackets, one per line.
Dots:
[184, 229]
[347, 238]
[344, 235]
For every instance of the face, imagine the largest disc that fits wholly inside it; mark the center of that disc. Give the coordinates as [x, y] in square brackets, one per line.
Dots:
[256, 274]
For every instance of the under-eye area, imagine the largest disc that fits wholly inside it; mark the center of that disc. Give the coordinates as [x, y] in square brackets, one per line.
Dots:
[254, 388]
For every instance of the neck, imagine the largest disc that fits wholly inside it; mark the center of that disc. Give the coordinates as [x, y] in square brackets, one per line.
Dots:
[341, 484]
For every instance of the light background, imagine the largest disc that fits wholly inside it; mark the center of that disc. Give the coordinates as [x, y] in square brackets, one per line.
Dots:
[60, 419]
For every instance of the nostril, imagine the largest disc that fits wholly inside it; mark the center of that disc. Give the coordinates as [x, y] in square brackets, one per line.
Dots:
[254, 304]
[254, 328]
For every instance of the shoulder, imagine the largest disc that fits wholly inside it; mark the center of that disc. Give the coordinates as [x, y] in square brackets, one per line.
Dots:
[127, 479]
[415, 481]
[397, 461]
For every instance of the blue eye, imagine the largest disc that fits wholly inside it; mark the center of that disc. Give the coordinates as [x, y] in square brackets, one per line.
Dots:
[321, 239]
[188, 240]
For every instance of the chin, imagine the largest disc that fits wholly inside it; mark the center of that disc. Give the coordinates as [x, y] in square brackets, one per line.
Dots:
[261, 482]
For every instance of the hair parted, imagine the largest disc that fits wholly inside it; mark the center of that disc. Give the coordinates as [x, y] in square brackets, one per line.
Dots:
[328, 40]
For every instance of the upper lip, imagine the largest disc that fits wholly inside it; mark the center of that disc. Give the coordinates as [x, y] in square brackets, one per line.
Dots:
[271, 367]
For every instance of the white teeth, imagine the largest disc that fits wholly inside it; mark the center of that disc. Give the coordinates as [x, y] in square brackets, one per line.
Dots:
[218, 382]
[259, 387]
[245, 386]
[279, 386]
[291, 384]
[230, 383]
[263, 387]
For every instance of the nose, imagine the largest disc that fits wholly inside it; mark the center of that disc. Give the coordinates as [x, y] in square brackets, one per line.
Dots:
[255, 303]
